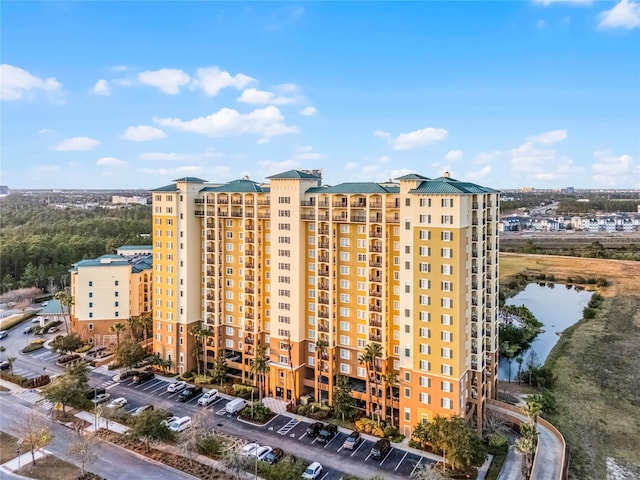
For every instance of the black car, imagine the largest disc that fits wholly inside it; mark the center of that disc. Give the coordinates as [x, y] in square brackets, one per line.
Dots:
[274, 456]
[5, 366]
[314, 429]
[189, 393]
[381, 448]
[327, 433]
[128, 374]
[94, 392]
[352, 441]
[142, 377]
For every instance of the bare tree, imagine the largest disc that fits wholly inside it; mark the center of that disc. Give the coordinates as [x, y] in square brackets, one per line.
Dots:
[35, 434]
[427, 472]
[85, 449]
[234, 460]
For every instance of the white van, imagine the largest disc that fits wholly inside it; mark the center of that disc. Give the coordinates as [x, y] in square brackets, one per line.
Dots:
[235, 406]
[208, 398]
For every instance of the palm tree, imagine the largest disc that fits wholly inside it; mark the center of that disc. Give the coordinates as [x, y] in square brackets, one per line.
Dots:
[260, 367]
[10, 361]
[294, 394]
[196, 331]
[133, 326]
[533, 408]
[526, 445]
[390, 379]
[66, 300]
[117, 328]
[321, 346]
[205, 333]
[145, 322]
[2, 350]
[372, 352]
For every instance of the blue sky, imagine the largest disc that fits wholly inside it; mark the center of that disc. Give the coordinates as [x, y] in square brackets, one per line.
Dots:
[542, 93]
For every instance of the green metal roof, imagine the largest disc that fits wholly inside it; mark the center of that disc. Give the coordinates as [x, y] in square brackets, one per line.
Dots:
[135, 247]
[412, 176]
[138, 263]
[167, 188]
[190, 180]
[447, 185]
[294, 174]
[355, 187]
[236, 186]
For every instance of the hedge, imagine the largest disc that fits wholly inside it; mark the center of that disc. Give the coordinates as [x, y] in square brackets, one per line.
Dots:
[26, 382]
[32, 347]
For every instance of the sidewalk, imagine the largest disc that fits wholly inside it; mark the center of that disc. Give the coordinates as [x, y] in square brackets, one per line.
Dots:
[102, 423]
[21, 461]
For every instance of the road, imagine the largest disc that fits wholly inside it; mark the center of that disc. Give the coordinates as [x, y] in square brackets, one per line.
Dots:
[550, 450]
[512, 466]
[114, 463]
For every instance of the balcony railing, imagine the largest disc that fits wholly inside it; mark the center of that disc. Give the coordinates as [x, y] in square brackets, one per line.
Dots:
[375, 308]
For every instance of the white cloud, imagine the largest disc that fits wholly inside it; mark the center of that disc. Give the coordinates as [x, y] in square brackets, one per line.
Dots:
[211, 80]
[122, 82]
[576, 2]
[16, 83]
[110, 162]
[284, 88]
[169, 80]
[44, 131]
[162, 156]
[549, 138]
[262, 97]
[528, 162]
[381, 134]
[486, 157]
[479, 174]
[308, 111]
[119, 68]
[454, 155]
[419, 138]
[143, 133]
[307, 153]
[76, 144]
[625, 14]
[102, 88]
[226, 122]
[270, 167]
[611, 170]
[350, 166]
[171, 172]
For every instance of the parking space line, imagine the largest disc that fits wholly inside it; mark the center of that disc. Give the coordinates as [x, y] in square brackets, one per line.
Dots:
[150, 386]
[405, 456]
[194, 398]
[385, 458]
[414, 468]
[354, 452]
[324, 476]
[173, 394]
[302, 436]
[340, 449]
[214, 402]
[334, 437]
[159, 388]
[368, 456]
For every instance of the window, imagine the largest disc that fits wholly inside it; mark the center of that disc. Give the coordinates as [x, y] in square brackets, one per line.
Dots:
[425, 365]
[446, 319]
[345, 354]
[344, 340]
[425, 202]
[446, 269]
[447, 202]
[91, 314]
[447, 253]
[447, 403]
[446, 236]
[285, 200]
[446, 353]
[425, 349]
[446, 303]
[91, 326]
[446, 219]
[361, 372]
[90, 294]
[425, 300]
[116, 304]
[446, 369]
[344, 256]
[446, 386]
[425, 283]
[344, 326]
[425, 251]
[425, 267]
[407, 414]
[229, 343]
[425, 219]
[345, 368]
[425, 235]
[116, 283]
[407, 392]
[344, 242]
[424, 332]
[311, 361]
[425, 382]
[446, 336]
[90, 283]
[424, 398]
[90, 304]
[446, 286]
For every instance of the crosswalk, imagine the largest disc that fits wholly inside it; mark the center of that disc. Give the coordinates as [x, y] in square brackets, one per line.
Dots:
[46, 355]
[34, 398]
[104, 370]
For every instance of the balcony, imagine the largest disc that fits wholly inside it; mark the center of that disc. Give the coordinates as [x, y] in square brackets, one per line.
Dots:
[249, 264]
[308, 216]
[248, 340]
[340, 204]
[248, 315]
[323, 245]
[249, 278]
[375, 338]
[395, 204]
[249, 351]
[323, 258]
[199, 213]
[375, 293]
[394, 219]
[323, 314]
[375, 308]
[373, 278]
[373, 263]
[264, 202]
[323, 204]
[323, 231]
[264, 215]
[323, 301]
[223, 201]
[358, 218]
[308, 203]
[375, 205]
[375, 323]
[323, 328]
[324, 273]
[323, 285]
[248, 303]
[376, 219]
[376, 248]
[375, 234]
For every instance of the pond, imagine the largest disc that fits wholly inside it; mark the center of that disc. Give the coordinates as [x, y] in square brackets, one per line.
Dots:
[558, 307]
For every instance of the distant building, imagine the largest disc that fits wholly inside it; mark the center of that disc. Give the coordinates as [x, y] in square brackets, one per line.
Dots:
[110, 289]
[120, 200]
[4, 190]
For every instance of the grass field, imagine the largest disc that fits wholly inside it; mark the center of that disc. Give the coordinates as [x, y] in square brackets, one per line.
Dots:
[597, 363]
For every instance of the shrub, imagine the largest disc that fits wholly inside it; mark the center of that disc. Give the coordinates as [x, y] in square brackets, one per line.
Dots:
[67, 359]
[32, 347]
[551, 277]
[85, 348]
[602, 282]
[366, 425]
[17, 379]
[589, 312]
[257, 411]
[303, 410]
[390, 431]
[187, 376]
[244, 391]
[595, 301]
[591, 281]
[497, 439]
[37, 382]
[211, 446]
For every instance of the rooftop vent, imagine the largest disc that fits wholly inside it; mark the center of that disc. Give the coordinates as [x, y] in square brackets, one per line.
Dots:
[446, 175]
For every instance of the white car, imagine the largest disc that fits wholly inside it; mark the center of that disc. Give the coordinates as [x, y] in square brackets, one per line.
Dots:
[208, 398]
[101, 398]
[169, 421]
[117, 403]
[180, 425]
[313, 471]
[177, 386]
[249, 449]
[262, 452]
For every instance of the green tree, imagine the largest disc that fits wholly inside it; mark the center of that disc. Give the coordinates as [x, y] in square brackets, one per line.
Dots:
[66, 391]
[196, 332]
[420, 434]
[533, 407]
[2, 350]
[117, 328]
[84, 449]
[66, 301]
[390, 379]
[149, 427]
[342, 398]
[219, 371]
[526, 445]
[66, 343]
[35, 435]
[10, 361]
[145, 322]
[129, 353]
[369, 358]
[259, 367]
[427, 472]
[459, 443]
[321, 347]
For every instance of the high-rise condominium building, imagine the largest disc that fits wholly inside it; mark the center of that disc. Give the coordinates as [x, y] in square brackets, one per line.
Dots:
[110, 289]
[364, 280]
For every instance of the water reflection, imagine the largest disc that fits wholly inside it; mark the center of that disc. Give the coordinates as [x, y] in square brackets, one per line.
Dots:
[557, 308]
